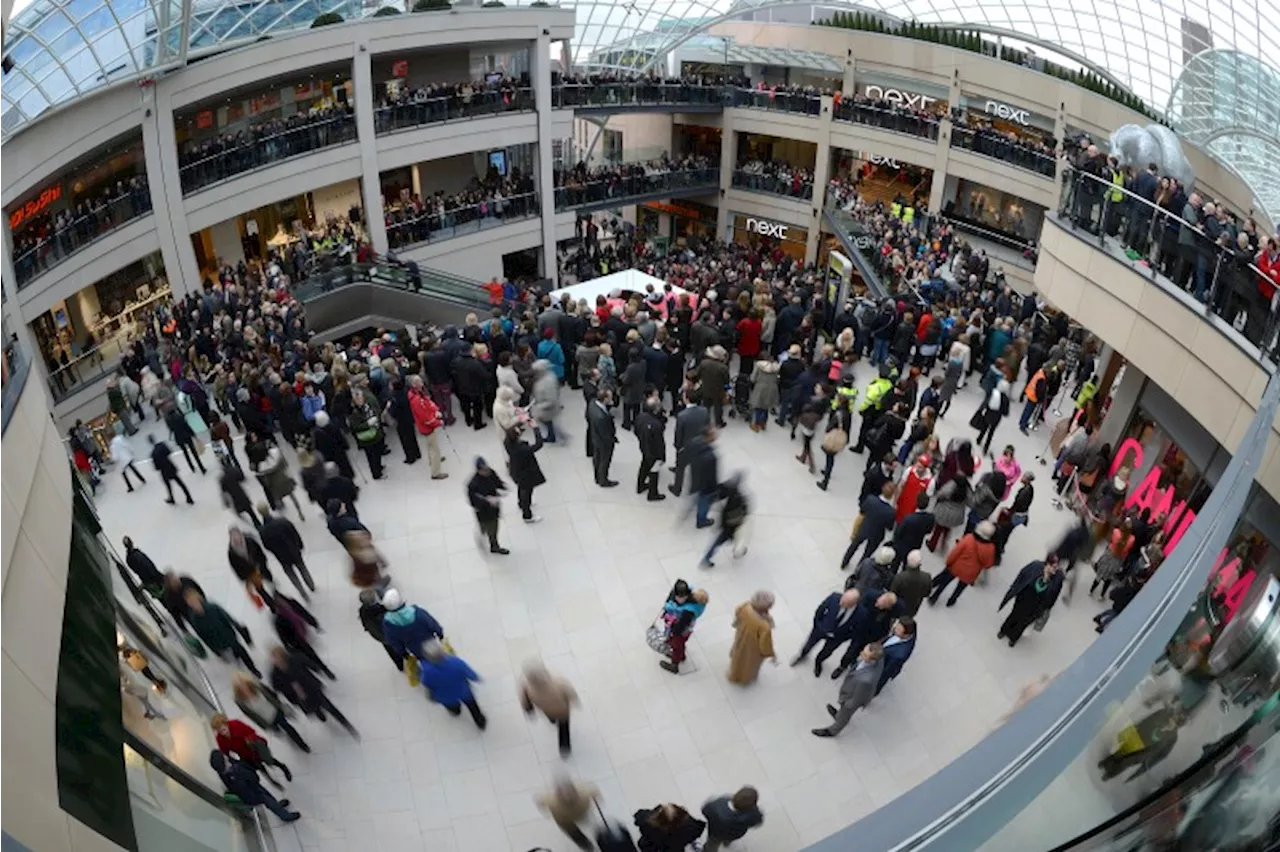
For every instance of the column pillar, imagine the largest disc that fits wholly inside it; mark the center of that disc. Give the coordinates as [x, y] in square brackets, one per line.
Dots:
[541, 79]
[941, 157]
[160, 152]
[1124, 401]
[375, 222]
[847, 89]
[821, 171]
[1059, 133]
[728, 156]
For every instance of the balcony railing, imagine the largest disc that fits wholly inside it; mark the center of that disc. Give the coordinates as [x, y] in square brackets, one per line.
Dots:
[432, 226]
[635, 93]
[454, 107]
[34, 260]
[1201, 258]
[799, 190]
[774, 101]
[200, 172]
[1001, 148]
[618, 189]
[898, 121]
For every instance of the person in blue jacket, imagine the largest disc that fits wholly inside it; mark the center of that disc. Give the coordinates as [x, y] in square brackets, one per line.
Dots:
[447, 680]
[835, 622]
[407, 628]
[549, 350]
[897, 649]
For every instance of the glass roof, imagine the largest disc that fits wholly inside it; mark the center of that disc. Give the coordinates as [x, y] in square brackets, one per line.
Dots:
[62, 49]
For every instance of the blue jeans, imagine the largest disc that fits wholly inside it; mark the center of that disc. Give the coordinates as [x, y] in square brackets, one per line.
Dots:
[1028, 409]
[704, 499]
[879, 350]
[722, 537]
[551, 431]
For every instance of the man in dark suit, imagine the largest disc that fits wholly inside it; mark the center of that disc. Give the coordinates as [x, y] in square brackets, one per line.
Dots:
[833, 624]
[653, 449]
[857, 690]
[911, 533]
[878, 514]
[877, 476]
[692, 421]
[1145, 185]
[873, 621]
[897, 649]
[603, 436]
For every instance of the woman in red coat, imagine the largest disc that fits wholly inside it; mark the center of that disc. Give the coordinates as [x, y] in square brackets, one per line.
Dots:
[236, 737]
[749, 330]
[426, 416]
[914, 483]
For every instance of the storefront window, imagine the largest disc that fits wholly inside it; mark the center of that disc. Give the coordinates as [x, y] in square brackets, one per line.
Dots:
[1000, 211]
[881, 178]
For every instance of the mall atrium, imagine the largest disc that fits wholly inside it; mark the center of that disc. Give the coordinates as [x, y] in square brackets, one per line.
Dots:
[898, 299]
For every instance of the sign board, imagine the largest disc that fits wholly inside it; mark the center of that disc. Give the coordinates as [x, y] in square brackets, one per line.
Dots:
[765, 228]
[400, 68]
[879, 160]
[1008, 113]
[911, 100]
[36, 205]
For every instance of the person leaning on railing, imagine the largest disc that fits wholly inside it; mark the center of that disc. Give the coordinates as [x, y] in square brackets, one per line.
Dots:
[408, 107]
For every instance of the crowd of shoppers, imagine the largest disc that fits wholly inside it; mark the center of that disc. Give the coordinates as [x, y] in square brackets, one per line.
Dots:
[494, 200]
[775, 177]
[410, 106]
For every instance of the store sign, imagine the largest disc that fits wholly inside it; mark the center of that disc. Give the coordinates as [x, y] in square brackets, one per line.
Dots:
[878, 160]
[400, 68]
[1008, 113]
[35, 205]
[204, 119]
[863, 243]
[911, 100]
[767, 229]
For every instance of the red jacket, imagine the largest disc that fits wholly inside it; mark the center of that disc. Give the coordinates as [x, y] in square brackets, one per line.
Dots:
[240, 739]
[749, 337]
[922, 327]
[426, 416]
[1270, 281]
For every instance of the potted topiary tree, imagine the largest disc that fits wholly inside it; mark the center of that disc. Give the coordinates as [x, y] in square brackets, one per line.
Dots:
[432, 5]
[386, 12]
[325, 19]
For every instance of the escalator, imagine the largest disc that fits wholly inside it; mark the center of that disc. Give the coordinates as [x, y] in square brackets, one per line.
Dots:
[344, 298]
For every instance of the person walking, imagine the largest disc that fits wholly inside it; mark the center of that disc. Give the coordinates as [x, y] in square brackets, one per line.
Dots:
[294, 678]
[834, 623]
[371, 614]
[484, 491]
[857, 689]
[544, 404]
[216, 629]
[144, 569]
[752, 639]
[160, 457]
[729, 818]
[122, 454]
[704, 474]
[185, 438]
[679, 615]
[837, 436]
[994, 408]
[912, 584]
[1034, 592]
[261, 705]
[281, 537]
[236, 738]
[875, 521]
[553, 697]
[406, 628]
[569, 804]
[249, 564]
[649, 430]
[526, 473]
[234, 497]
[268, 462]
[667, 828]
[691, 422]
[447, 680]
[733, 518]
[603, 435]
[898, 647]
[329, 441]
[293, 623]
[241, 781]
[972, 555]
[912, 530]
[428, 420]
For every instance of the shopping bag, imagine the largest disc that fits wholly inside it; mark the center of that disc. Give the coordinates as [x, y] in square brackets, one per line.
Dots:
[857, 525]
[834, 441]
[411, 670]
[657, 637]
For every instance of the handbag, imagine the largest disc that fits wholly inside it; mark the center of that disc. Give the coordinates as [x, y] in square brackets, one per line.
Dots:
[411, 671]
[658, 636]
[835, 440]
[976, 421]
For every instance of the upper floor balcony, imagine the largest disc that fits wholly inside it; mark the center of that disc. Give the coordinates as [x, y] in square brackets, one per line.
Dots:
[423, 108]
[631, 185]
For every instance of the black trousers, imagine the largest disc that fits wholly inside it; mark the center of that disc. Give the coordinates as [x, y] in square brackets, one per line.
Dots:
[124, 471]
[325, 704]
[282, 725]
[829, 645]
[168, 486]
[409, 441]
[192, 455]
[601, 459]
[472, 410]
[373, 454]
[524, 499]
[629, 414]
[477, 715]
[647, 477]
[681, 463]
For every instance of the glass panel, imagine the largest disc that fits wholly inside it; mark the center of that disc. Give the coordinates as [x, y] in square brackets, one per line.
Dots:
[168, 817]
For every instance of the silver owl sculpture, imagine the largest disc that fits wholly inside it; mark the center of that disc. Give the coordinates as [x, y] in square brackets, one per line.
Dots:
[1137, 146]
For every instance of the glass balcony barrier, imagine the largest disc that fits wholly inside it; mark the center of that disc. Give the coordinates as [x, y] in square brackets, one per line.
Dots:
[394, 273]
[452, 107]
[35, 255]
[406, 230]
[1205, 259]
[629, 186]
[896, 120]
[1000, 147]
[800, 189]
[872, 265]
[797, 102]
[229, 160]
[635, 93]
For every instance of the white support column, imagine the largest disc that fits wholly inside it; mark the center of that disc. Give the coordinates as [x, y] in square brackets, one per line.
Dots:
[370, 180]
[942, 156]
[160, 151]
[18, 321]
[728, 156]
[850, 64]
[821, 171]
[541, 79]
[1124, 401]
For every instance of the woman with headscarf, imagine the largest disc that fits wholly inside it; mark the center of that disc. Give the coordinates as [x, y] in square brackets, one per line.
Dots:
[752, 639]
[680, 613]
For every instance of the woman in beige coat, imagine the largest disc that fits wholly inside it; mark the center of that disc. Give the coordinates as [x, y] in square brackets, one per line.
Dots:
[752, 639]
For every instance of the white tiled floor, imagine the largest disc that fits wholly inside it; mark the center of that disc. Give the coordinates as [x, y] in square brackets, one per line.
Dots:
[579, 590]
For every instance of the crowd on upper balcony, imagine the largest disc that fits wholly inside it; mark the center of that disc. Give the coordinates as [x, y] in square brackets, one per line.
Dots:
[774, 176]
[981, 135]
[495, 197]
[407, 106]
[46, 239]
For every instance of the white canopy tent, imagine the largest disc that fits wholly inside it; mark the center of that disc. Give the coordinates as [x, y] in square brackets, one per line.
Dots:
[630, 280]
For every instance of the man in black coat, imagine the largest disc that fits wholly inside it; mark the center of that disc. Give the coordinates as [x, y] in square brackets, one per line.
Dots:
[281, 537]
[653, 449]
[876, 613]
[141, 565]
[877, 476]
[602, 432]
[293, 676]
[704, 473]
[470, 379]
[692, 421]
[911, 533]
[339, 487]
[164, 466]
[184, 438]
[484, 491]
[878, 513]
[526, 473]
[331, 443]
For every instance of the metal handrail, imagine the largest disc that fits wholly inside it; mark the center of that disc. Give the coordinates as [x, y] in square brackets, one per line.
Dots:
[602, 191]
[437, 110]
[25, 265]
[17, 367]
[184, 171]
[749, 181]
[456, 213]
[1042, 163]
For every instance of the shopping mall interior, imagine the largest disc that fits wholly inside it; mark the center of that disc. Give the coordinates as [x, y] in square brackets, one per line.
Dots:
[939, 334]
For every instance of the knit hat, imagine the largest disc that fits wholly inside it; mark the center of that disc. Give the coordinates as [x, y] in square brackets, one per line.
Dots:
[391, 600]
[884, 556]
[480, 462]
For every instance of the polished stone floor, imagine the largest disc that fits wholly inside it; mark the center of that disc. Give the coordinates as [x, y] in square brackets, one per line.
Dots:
[578, 591]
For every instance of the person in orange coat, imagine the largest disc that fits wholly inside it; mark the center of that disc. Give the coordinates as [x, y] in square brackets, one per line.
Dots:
[972, 555]
[914, 483]
[426, 416]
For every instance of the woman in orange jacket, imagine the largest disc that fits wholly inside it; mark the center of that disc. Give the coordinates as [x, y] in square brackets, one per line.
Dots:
[972, 555]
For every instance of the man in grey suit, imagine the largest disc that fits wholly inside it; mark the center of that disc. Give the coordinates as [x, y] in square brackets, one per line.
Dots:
[857, 689]
[692, 421]
[603, 436]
